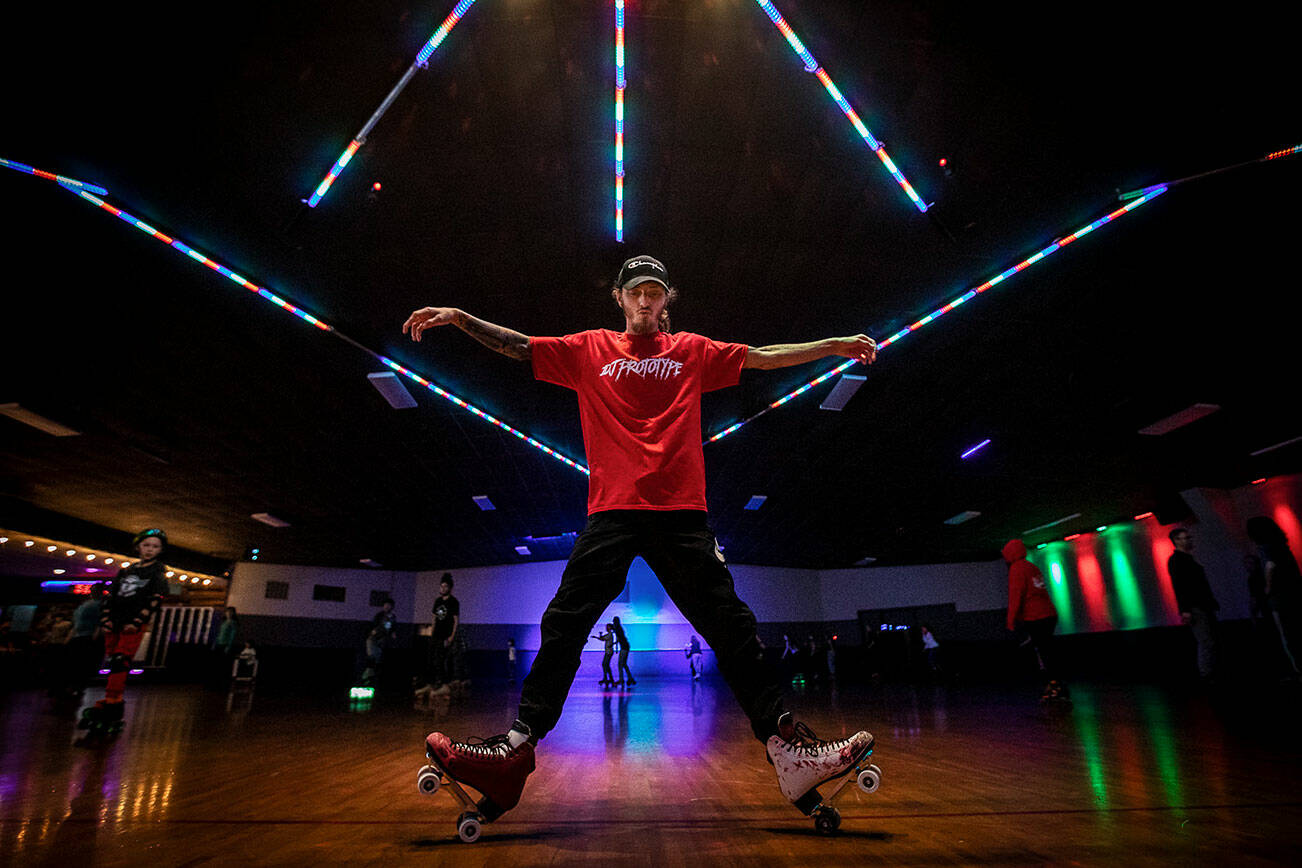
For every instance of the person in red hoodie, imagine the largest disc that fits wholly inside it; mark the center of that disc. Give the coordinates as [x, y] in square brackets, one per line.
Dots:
[1030, 606]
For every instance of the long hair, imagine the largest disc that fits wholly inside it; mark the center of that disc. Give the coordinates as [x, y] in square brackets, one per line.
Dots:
[619, 631]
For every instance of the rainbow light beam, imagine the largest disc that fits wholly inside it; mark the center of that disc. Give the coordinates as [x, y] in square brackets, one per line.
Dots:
[811, 65]
[941, 311]
[421, 62]
[62, 179]
[306, 317]
[619, 120]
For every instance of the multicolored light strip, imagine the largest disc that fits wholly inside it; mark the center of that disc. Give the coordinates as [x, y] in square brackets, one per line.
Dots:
[200, 258]
[811, 65]
[619, 120]
[421, 61]
[487, 417]
[941, 311]
[281, 303]
[62, 179]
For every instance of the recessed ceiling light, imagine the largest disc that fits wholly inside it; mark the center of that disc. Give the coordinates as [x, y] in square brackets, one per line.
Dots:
[522, 550]
[388, 385]
[842, 392]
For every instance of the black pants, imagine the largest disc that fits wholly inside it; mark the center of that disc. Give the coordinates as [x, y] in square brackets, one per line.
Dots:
[681, 550]
[1041, 632]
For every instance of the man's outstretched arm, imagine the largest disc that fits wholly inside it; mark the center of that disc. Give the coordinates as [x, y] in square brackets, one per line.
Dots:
[495, 337]
[860, 347]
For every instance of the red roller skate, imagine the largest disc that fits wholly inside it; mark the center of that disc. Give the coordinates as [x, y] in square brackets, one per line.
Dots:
[493, 767]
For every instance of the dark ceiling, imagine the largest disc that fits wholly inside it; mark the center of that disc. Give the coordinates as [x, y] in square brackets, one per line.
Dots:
[200, 404]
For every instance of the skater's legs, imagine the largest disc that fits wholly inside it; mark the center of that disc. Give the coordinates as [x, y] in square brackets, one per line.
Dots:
[594, 576]
[606, 674]
[1041, 633]
[119, 648]
[687, 561]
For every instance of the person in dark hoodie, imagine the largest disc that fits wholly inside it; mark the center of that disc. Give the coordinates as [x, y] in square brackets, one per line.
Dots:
[1030, 607]
[1194, 599]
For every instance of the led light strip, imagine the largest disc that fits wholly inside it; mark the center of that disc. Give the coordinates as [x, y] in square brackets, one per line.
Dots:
[619, 120]
[421, 61]
[941, 311]
[811, 65]
[1274, 155]
[281, 303]
[62, 179]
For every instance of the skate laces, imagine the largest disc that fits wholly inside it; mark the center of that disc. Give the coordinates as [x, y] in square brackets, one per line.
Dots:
[498, 745]
[804, 740]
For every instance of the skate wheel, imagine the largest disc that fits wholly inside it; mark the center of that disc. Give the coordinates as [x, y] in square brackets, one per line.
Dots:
[870, 779]
[468, 827]
[827, 820]
[428, 781]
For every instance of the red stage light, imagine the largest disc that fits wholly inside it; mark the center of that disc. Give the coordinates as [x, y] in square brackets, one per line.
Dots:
[375, 186]
[1143, 515]
[943, 162]
[1259, 481]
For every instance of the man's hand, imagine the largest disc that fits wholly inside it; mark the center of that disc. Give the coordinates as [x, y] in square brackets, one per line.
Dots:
[428, 318]
[859, 347]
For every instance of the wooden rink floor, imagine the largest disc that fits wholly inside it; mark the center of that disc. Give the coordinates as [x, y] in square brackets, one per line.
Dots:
[665, 773]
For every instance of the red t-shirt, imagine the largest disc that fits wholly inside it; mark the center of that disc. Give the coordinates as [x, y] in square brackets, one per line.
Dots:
[640, 407]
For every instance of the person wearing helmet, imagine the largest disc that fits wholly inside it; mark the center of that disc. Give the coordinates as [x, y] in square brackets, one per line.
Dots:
[133, 597]
[639, 393]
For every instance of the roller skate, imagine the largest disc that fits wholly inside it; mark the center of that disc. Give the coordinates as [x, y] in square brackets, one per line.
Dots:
[1056, 692]
[493, 767]
[803, 762]
[103, 719]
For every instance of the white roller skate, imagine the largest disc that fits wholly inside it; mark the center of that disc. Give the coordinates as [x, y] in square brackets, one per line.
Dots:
[803, 762]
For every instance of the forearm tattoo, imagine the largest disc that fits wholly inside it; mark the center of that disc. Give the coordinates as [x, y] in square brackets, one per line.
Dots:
[505, 341]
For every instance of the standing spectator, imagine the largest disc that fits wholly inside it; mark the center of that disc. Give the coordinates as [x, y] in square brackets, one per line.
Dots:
[510, 661]
[445, 638]
[1282, 585]
[85, 645]
[383, 632]
[1030, 608]
[224, 648]
[1194, 599]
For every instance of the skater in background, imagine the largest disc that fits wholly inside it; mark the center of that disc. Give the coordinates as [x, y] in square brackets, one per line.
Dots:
[693, 652]
[510, 661]
[608, 637]
[1030, 608]
[383, 633]
[931, 648]
[134, 597]
[1194, 600]
[622, 638]
[224, 647]
[1281, 586]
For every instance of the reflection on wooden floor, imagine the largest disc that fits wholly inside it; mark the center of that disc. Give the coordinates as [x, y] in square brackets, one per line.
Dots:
[665, 773]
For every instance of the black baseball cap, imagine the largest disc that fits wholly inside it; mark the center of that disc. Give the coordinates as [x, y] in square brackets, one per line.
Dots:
[640, 269]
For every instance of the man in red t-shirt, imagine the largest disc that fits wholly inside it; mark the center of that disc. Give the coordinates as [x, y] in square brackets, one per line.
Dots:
[639, 395]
